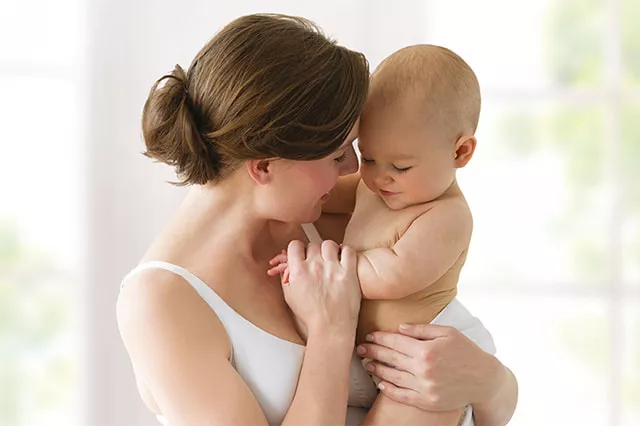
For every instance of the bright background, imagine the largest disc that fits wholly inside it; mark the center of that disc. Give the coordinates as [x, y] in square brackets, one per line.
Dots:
[554, 268]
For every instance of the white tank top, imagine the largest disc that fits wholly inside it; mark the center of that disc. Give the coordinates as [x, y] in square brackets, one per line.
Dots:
[270, 365]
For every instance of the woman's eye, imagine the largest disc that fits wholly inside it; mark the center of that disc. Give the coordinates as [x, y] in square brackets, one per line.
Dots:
[401, 169]
[341, 158]
[366, 160]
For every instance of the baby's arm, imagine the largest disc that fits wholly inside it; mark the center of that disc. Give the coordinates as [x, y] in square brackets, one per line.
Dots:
[426, 251]
[343, 195]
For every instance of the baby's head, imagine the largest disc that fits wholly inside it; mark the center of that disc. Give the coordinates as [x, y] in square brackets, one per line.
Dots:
[418, 124]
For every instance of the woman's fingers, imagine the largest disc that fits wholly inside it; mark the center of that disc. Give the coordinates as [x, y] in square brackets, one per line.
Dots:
[296, 251]
[386, 355]
[425, 331]
[397, 377]
[329, 250]
[348, 258]
[313, 250]
[399, 394]
[398, 342]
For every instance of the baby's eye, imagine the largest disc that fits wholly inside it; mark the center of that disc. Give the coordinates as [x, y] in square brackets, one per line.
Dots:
[401, 169]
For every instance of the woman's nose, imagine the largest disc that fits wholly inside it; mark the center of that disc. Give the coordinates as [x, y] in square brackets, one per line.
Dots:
[350, 163]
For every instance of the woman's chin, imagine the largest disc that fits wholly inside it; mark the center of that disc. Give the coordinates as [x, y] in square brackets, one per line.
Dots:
[312, 216]
[299, 217]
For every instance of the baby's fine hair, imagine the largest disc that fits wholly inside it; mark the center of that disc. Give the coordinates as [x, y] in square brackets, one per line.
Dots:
[440, 80]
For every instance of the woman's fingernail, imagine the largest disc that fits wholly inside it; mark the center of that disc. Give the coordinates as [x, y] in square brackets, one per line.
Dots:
[371, 367]
[369, 338]
[405, 326]
[381, 386]
[361, 350]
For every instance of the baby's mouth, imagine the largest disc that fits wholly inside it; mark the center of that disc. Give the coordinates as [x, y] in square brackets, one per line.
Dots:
[387, 193]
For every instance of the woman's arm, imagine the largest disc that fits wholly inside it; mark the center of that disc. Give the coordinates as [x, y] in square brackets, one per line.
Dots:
[324, 293]
[440, 369]
[180, 352]
[498, 410]
[323, 387]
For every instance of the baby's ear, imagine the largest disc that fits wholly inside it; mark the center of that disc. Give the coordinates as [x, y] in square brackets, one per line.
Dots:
[464, 149]
[260, 171]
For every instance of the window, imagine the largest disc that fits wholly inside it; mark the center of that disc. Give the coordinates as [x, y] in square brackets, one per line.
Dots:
[39, 212]
[554, 264]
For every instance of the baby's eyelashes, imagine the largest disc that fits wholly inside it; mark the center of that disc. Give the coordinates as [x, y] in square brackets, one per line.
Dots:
[401, 169]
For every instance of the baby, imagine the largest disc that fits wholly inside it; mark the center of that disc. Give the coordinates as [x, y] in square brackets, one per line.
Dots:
[411, 225]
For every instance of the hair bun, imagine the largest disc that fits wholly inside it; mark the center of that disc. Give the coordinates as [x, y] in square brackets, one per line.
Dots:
[171, 133]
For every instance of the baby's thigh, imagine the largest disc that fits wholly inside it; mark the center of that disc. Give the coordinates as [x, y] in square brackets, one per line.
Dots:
[386, 411]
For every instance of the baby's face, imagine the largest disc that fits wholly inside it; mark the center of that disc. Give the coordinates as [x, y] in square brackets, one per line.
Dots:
[403, 161]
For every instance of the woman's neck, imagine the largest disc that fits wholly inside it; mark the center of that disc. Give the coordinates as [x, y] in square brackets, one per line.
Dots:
[214, 221]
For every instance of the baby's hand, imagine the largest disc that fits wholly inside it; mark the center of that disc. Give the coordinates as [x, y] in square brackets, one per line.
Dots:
[279, 266]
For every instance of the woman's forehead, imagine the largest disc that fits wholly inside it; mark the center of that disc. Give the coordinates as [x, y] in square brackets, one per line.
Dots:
[353, 134]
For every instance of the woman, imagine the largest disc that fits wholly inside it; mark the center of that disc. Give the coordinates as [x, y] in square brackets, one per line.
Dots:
[262, 126]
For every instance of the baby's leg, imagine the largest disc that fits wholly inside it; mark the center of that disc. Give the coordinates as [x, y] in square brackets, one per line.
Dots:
[386, 411]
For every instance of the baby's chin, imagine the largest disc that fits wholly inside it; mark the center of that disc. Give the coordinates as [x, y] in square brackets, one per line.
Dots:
[394, 203]
[400, 203]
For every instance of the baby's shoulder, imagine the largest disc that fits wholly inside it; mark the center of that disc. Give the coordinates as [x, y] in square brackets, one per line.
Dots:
[455, 204]
[452, 211]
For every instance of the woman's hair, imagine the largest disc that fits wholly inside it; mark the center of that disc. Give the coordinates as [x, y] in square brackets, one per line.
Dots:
[264, 86]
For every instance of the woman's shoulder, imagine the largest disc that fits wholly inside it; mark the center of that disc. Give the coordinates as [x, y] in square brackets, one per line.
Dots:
[158, 307]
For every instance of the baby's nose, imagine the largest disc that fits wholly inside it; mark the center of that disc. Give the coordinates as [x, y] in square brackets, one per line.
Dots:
[383, 179]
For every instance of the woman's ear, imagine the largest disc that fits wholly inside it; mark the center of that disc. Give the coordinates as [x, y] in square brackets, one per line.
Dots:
[260, 171]
[464, 149]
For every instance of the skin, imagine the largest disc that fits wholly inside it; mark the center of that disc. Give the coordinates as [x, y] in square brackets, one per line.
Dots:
[178, 347]
[183, 368]
[442, 369]
[410, 168]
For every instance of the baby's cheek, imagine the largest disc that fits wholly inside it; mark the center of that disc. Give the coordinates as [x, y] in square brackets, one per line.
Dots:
[365, 174]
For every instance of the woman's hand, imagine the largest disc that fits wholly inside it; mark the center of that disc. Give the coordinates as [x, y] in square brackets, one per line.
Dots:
[320, 285]
[438, 368]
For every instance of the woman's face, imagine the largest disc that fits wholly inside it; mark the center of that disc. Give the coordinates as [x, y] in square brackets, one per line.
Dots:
[301, 187]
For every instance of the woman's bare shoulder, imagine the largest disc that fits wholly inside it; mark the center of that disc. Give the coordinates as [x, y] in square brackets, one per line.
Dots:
[180, 353]
[156, 306]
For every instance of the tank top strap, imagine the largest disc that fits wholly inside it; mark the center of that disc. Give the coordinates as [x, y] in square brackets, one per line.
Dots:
[225, 313]
[311, 233]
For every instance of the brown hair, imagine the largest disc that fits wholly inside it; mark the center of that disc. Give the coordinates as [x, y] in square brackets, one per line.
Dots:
[440, 79]
[264, 86]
